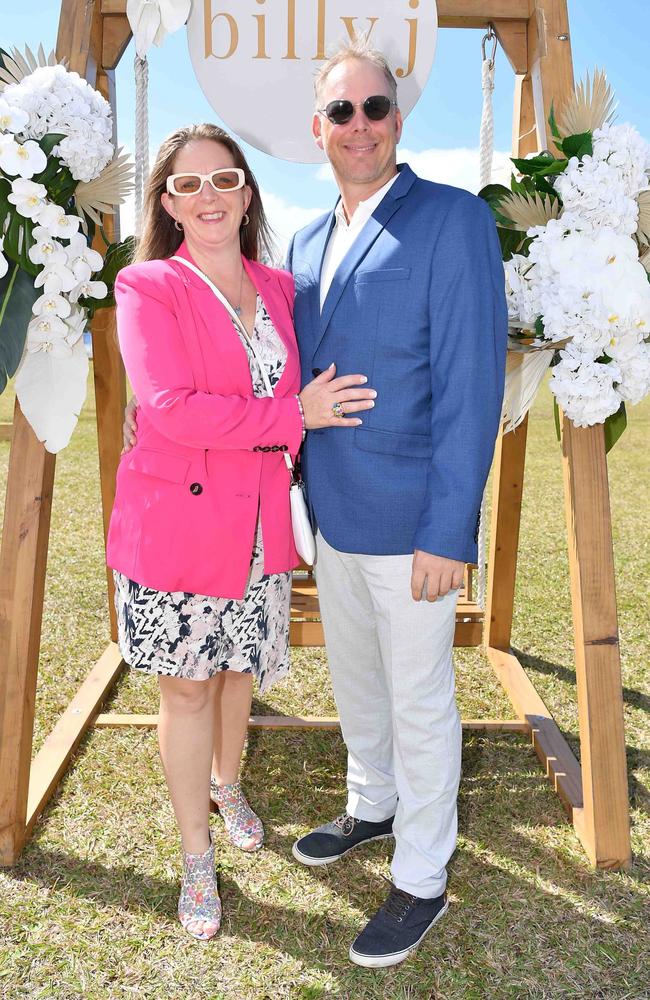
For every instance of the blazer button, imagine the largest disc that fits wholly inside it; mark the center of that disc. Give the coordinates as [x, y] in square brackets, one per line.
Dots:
[196, 489]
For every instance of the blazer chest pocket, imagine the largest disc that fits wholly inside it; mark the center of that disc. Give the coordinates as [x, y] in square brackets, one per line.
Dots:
[393, 442]
[382, 274]
[173, 468]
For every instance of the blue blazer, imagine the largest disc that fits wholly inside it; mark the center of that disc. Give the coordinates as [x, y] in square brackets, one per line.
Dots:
[417, 305]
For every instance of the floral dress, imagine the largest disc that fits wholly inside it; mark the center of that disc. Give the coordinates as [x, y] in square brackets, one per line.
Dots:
[192, 636]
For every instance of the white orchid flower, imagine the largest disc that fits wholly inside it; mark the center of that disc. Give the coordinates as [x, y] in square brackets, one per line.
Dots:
[152, 20]
[4, 263]
[55, 279]
[57, 223]
[12, 119]
[89, 289]
[52, 305]
[27, 196]
[83, 260]
[48, 333]
[47, 251]
[76, 324]
[21, 159]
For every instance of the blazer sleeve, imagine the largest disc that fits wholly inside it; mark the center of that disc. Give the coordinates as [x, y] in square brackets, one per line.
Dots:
[469, 323]
[288, 260]
[159, 370]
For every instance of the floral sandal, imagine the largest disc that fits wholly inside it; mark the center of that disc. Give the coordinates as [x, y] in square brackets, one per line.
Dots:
[199, 901]
[243, 826]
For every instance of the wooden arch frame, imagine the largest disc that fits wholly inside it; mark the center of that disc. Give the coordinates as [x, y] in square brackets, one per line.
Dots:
[535, 37]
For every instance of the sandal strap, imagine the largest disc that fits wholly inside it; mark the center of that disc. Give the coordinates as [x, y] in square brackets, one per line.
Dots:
[199, 898]
[242, 823]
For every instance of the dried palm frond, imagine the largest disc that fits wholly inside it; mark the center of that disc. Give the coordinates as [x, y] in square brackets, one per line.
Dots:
[643, 228]
[529, 210]
[524, 375]
[591, 105]
[17, 66]
[110, 188]
[645, 259]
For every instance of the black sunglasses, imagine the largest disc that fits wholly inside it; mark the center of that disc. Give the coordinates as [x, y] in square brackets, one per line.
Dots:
[375, 108]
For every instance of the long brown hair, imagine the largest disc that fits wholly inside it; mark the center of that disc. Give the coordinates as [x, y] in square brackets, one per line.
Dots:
[160, 238]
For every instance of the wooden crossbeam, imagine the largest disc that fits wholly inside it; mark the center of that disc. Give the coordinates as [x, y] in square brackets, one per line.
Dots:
[117, 721]
[451, 13]
[52, 759]
[306, 628]
[551, 747]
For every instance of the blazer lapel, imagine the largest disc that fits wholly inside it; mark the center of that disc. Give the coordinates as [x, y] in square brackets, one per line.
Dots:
[274, 299]
[317, 253]
[368, 235]
[220, 337]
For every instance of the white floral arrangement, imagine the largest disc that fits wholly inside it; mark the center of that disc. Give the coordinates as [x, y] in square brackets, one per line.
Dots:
[58, 172]
[575, 231]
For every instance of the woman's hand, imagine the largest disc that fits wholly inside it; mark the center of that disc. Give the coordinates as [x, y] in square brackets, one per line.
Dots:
[327, 401]
[130, 426]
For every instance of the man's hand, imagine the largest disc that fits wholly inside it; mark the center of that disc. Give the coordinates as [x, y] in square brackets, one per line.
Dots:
[434, 576]
[130, 426]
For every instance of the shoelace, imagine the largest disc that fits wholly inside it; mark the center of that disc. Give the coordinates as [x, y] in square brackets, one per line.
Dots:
[346, 823]
[398, 903]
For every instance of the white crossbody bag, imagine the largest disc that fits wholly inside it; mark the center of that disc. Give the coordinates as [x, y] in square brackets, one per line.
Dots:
[303, 535]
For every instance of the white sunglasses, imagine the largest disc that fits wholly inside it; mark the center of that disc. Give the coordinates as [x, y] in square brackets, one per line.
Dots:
[224, 179]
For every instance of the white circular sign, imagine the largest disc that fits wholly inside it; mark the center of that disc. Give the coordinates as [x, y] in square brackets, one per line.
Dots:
[255, 59]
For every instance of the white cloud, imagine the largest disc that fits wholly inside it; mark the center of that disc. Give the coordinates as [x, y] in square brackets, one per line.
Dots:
[459, 167]
[127, 217]
[285, 219]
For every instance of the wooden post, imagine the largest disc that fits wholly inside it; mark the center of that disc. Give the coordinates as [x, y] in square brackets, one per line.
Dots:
[23, 560]
[606, 823]
[510, 454]
[507, 490]
[93, 42]
[603, 825]
[109, 376]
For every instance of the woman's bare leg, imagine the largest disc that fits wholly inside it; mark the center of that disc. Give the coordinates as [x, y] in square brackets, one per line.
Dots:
[232, 711]
[186, 740]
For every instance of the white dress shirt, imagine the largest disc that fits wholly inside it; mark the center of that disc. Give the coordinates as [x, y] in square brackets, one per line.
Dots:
[345, 233]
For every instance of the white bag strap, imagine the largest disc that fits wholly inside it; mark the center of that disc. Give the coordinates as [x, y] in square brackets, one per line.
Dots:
[242, 329]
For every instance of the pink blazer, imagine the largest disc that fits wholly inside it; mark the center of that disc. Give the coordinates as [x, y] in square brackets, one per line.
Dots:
[209, 454]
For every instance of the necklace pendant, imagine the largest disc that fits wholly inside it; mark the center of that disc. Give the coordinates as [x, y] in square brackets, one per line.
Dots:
[237, 310]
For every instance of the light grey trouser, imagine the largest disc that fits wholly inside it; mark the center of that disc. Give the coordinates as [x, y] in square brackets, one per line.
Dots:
[393, 679]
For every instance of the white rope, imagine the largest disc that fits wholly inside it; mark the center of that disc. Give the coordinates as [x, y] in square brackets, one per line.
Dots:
[486, 152]
[487, 123]
[141, 136]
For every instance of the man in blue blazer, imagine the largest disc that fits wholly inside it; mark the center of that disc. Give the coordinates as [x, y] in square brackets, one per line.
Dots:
[403, 284]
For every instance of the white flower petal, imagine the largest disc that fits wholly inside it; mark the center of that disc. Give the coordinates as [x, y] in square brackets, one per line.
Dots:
[51, 388]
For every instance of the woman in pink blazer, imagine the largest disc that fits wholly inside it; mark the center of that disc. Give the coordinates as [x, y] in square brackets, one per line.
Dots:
[200, 536]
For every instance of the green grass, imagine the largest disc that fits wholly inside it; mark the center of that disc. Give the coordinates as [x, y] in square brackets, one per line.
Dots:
[89, 910]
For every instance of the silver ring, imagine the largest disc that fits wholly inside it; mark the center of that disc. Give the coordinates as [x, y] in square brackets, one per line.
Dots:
[337, 409]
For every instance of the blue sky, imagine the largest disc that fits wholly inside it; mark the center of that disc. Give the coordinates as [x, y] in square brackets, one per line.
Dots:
[441, 133]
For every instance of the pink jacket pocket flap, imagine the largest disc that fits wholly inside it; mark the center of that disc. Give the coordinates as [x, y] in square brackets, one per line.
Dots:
[173, 468]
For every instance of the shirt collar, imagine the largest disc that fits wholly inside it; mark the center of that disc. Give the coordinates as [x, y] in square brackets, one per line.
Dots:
[364, 209]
